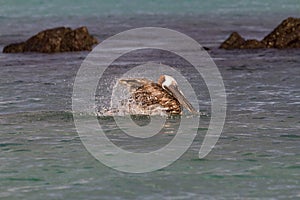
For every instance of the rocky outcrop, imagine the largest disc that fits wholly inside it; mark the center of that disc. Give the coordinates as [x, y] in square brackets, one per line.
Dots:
[55, 40]
[234, 41]
[285, 35]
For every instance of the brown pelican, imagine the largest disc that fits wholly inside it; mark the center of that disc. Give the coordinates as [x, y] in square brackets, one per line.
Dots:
[164, 95]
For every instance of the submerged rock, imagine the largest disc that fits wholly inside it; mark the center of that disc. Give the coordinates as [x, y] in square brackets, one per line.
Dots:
[285, 35]
[55, 40]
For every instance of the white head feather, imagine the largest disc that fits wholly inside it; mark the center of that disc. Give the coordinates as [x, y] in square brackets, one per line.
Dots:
[169, 80]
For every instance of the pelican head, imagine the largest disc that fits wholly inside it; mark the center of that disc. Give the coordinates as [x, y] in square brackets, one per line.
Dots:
[169, 84]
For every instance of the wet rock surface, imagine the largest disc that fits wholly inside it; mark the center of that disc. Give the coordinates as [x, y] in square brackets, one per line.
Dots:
[285, 35]
[61, 39]
[234, 41]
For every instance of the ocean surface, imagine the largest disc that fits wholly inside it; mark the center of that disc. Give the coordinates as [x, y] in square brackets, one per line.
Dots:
[256, 157]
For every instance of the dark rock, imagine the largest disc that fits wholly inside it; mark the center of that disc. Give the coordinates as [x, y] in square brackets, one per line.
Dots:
[285, 35]
[252, 44]
[14, 48]
[206, 48]
[234, 41]
[54, 40]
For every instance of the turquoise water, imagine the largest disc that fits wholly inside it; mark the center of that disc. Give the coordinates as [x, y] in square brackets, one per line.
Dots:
[38, 8]
[257, 156]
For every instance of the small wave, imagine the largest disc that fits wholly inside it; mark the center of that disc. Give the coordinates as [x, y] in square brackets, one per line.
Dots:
[132, 109]
[135, 110]
[36, 116]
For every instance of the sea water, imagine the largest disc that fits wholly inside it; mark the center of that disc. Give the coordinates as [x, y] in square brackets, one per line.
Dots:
[256, 157]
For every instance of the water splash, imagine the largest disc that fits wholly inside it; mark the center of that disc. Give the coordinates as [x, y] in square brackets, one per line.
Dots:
[122, 104]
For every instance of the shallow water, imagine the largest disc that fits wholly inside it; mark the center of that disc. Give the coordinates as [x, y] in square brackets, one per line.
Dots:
[257, 156]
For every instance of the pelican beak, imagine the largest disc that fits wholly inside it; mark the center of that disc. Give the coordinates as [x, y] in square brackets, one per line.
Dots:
[173, 89]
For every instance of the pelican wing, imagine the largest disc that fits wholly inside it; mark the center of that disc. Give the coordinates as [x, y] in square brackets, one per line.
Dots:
[134, 83]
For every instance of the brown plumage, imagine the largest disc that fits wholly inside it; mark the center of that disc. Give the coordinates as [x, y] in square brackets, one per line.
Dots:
[152, 94]
[164, 95]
